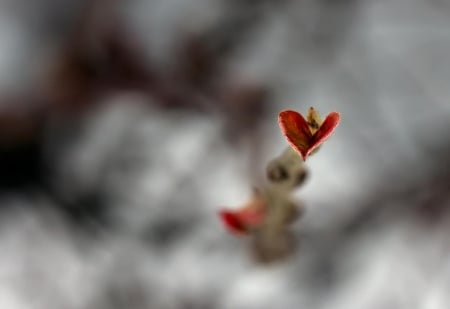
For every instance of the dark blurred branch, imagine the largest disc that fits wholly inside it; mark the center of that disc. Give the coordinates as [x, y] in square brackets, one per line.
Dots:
[100, 58]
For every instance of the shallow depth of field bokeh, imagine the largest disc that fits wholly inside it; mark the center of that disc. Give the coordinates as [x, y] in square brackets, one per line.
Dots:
[125, 126]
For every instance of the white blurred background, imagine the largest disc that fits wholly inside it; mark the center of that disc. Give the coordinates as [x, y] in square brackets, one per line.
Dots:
[126, 125]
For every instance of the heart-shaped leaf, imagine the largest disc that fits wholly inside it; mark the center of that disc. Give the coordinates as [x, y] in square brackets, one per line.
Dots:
[303, 136]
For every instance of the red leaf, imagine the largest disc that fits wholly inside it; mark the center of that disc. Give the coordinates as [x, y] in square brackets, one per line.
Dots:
[325, 130]
[242, 220]
[295, 129]
[232, 222]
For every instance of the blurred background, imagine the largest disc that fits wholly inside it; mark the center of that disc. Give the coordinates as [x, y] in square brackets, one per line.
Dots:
[126, 125]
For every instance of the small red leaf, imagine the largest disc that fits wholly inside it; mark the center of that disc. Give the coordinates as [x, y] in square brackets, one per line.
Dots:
[295, 129]
[325, 130]
[240, 221]
[232, 222]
